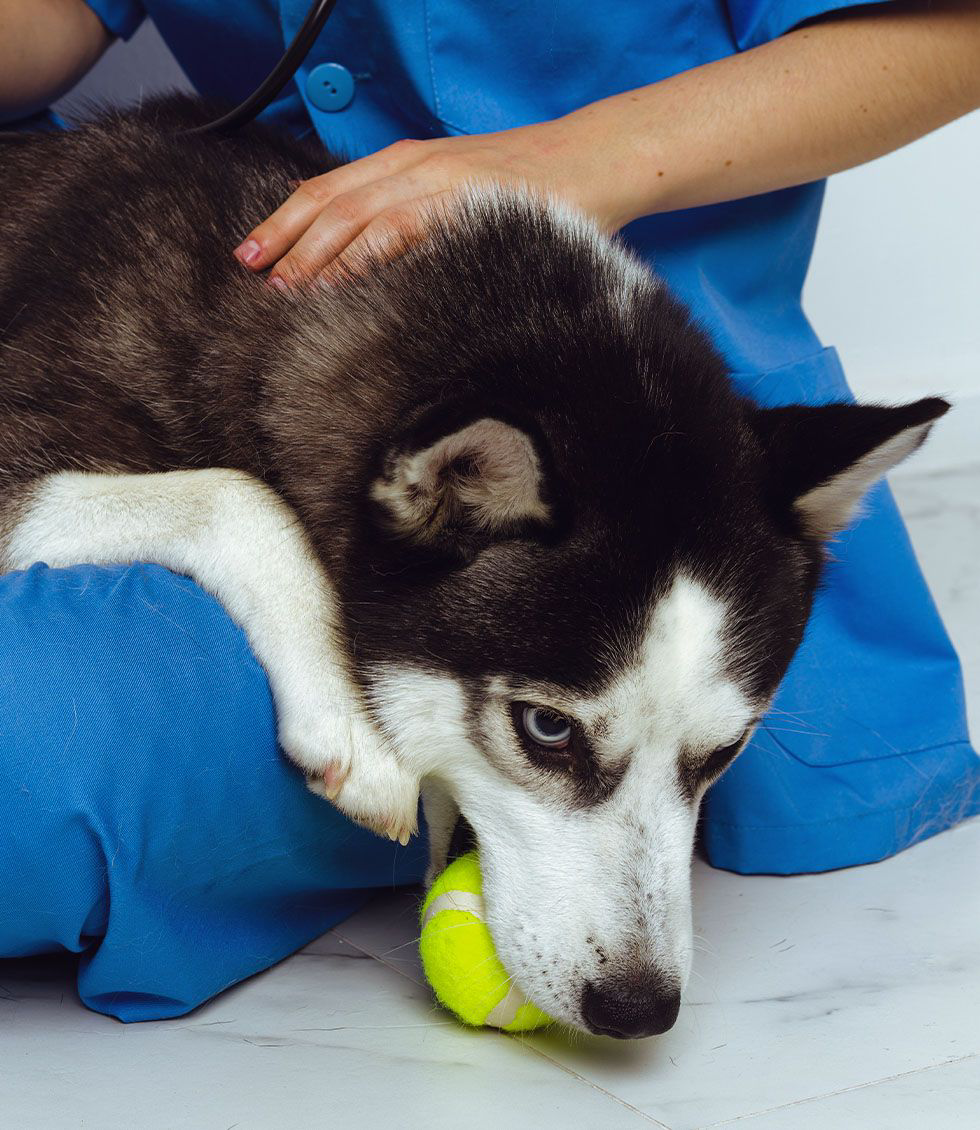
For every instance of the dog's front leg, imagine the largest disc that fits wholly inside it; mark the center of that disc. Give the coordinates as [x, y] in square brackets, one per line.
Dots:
[240, 541]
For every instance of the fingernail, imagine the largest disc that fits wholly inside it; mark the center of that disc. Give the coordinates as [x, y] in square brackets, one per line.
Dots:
[249, 252]
[278, 282]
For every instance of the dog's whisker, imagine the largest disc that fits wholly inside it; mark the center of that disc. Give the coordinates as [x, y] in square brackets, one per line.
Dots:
[404, 945]
[802, 733]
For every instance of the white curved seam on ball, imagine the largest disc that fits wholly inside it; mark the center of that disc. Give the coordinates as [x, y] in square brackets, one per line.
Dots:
[466, 901]
[504, 1012]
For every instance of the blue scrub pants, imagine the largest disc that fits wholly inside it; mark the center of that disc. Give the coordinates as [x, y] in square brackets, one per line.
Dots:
[148, 821]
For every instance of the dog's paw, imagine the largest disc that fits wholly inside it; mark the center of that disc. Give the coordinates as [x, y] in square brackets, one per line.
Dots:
[377, 792]
[352, 765]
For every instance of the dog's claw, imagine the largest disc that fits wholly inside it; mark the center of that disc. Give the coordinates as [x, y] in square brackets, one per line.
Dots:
[334, 777]
[362, 777]
[400, 833]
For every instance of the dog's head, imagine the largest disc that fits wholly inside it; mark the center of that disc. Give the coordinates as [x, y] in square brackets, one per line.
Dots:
[583, 567]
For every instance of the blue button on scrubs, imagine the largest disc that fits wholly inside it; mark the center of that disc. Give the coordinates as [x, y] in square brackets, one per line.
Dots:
[330, 87]
[866, 751]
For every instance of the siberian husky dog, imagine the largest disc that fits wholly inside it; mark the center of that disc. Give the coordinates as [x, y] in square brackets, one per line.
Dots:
[495, 521]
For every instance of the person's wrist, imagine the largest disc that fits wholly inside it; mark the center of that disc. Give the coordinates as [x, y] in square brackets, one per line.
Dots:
[616, 183]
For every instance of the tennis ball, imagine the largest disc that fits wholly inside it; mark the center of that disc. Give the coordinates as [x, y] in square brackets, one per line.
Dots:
[459, 958]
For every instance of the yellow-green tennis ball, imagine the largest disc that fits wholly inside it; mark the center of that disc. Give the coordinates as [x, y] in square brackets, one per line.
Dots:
[459, 958]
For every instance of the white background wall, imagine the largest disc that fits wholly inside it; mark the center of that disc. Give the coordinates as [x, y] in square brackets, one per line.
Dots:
[895, 281]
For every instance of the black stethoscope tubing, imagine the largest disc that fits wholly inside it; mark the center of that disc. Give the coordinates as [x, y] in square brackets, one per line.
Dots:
[292, 59]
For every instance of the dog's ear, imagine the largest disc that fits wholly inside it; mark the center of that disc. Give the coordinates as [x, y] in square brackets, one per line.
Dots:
[481, 481]
[821, 460]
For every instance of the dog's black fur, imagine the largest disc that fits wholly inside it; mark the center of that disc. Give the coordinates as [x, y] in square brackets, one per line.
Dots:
[132, 340]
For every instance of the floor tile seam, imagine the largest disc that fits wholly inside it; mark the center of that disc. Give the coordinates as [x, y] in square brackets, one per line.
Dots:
[840, 1091]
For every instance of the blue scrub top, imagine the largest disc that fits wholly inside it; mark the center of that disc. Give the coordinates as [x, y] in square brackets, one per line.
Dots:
[431, 68]
[198, 865]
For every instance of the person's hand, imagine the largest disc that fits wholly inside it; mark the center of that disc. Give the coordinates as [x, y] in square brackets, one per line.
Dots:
[383, 199]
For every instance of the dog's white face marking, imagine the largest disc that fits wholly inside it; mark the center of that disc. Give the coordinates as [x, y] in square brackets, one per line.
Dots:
[581, 889]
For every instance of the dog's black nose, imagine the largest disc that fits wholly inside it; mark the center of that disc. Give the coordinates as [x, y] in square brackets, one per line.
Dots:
[631, 1006]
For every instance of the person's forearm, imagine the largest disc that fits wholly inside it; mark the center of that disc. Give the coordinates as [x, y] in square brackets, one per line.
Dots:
[817, 100]
[45, 47]
[820, 99]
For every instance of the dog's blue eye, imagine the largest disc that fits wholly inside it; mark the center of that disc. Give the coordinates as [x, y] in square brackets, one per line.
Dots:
[545, 727]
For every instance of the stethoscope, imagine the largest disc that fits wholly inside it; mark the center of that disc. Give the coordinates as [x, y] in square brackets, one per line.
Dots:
[292, 59]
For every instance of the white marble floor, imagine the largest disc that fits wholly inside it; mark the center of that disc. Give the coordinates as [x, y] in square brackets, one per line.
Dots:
[848, 1000]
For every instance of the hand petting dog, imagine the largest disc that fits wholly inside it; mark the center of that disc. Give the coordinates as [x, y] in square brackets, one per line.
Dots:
[382, 200]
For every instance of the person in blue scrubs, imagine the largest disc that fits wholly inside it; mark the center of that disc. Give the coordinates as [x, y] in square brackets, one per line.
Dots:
[137, 730]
